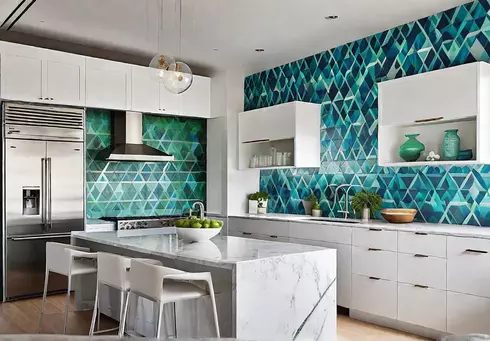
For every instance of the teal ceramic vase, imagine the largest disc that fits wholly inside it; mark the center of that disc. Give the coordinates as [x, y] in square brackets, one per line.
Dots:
[451, 145]
[411, 149]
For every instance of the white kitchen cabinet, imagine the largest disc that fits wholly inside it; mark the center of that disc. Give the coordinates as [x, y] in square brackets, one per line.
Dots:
[145, 92]
[422, 243]
[108, 84]
[196, 101]
[260, 226]
[467, 314]
[430, 103]
[312, 231]
[39, 75]
[423, 270]
[374, 263]
[375, 296]
[169, 102]
[375, 238]
[290, 127]
[422, 306]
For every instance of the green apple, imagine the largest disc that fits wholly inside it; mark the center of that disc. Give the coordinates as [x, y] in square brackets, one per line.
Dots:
[206, 225]
[196, 225]
[214, 224]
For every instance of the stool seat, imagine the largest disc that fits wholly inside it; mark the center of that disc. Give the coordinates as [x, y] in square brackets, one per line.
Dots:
[83, 268]
[181, 291]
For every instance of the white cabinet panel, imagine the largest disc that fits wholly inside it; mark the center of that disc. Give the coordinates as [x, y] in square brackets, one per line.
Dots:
[422, 306]
[64, 78]
[422, 243]
[467, 314]
[196, 101]
[260, 226]
[375, 238]
[468, 265]
[169, 102]
[374, 263]
[108, 84]
[310, 231]
[417, 269]
[378, 297]
[22, 77]
[145, 92]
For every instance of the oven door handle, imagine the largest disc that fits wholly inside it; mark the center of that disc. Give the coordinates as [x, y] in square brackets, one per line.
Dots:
[51, 236]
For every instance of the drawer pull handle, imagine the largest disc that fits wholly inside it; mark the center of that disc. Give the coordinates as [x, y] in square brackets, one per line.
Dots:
[421, 233]
[256, 141]
[373, 249]
[475, 251]
[420, 256]
[375, 278]
[273, 236]
[430, 119]
[377, 230]
[246, 233]
[421, 286]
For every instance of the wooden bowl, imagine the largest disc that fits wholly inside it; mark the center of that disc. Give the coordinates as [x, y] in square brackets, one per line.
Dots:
[399, 215]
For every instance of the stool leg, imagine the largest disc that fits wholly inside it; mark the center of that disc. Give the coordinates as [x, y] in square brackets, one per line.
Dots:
[122, 323]
[175, 319]
[159, 320]
[215, 313]
[46, 279]
[96, 309]
[67, 304]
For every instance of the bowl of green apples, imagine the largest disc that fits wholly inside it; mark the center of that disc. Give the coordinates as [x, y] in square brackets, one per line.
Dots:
[193, 229]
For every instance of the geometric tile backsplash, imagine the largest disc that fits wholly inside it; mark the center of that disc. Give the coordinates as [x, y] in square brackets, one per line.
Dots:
[129, 189]
[344, 81]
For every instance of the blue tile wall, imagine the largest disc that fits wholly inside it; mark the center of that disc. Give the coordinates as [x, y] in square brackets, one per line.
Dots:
[129, 189]
[344, 81]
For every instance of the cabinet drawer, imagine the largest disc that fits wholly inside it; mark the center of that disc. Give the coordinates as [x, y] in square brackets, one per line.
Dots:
[468, 266]
[422, 306]
[260, 226]
[467, 314]
[324, 233]
[422, 270]
[373, 263]
[426, 244]
[375, 238]
[378, 297]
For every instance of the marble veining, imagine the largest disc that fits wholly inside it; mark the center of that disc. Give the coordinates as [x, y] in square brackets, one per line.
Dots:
[219, 251]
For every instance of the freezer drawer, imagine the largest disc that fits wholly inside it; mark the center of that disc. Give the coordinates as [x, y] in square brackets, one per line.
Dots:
[25, 267]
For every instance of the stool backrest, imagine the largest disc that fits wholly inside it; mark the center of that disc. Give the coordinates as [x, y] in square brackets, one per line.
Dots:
[57, 259]
[111, 269]
[147, 279]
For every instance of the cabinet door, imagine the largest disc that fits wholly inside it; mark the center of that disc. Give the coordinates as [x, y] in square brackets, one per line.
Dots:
[374, 263]
[196, 101]
[375, 296]
[145, 92]
[22, 75]
[169, 102]
[64, 78]
[108, 84]
[467, 314]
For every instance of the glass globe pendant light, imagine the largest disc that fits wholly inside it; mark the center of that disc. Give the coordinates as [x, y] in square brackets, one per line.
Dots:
[160, 63]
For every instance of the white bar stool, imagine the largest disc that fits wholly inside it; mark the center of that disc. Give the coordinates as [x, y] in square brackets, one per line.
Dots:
[112, 270]
[166, 285]
[67, 260]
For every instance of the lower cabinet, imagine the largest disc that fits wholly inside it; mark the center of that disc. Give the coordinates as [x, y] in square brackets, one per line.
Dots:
[422, 306]
[374, 296]
[467, 314]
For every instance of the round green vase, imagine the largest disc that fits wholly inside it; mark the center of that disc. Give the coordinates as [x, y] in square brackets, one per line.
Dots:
[451, 145]
[411, 149]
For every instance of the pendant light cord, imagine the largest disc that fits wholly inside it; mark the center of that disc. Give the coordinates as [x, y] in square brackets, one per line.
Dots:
[180, 28]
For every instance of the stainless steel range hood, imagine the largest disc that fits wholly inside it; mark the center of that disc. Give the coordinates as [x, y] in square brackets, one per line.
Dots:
[127, 131]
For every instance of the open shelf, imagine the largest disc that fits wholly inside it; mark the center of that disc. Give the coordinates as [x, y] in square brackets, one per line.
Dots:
[442, 121]
[273, 167]
[429, 163]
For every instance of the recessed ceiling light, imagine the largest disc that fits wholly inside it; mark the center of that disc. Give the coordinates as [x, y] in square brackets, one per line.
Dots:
[216, 49]
[41, 21]
[331, 17]
[259, 50]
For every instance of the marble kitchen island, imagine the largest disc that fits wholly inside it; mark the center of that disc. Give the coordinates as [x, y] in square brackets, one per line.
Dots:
[265, 290]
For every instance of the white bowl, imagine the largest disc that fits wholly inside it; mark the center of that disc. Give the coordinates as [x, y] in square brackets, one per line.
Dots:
[190, 234]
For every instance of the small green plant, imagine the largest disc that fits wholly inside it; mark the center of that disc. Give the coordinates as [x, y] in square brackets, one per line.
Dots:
[259, 196]
[370, 200]
[316, 206]
[312, 198]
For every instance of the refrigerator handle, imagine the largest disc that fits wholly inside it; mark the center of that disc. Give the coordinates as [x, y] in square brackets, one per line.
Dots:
[49, 212]
[43, 193]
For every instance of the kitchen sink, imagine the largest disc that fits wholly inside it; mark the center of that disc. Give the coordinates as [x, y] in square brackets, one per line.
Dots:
[333, 220]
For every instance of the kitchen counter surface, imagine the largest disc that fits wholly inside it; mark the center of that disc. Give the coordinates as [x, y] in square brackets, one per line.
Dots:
[442, 229]
[219, 251]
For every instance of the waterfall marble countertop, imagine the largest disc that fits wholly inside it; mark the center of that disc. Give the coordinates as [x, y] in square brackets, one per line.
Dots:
[430, 228]
[219, 251]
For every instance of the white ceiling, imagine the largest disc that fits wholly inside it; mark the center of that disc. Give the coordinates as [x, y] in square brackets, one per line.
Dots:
[286, 29]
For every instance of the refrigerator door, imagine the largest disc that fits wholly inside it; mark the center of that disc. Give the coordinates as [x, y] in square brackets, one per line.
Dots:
[65, 174]
[25, 166]
[26, 266]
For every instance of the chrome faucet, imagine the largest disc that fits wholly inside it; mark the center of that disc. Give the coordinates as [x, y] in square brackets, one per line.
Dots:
[201, 208]
[345, 212]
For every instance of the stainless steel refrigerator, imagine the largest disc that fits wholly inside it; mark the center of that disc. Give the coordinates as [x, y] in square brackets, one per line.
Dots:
[43, 191]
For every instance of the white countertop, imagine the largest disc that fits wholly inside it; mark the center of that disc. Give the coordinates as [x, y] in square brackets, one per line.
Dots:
[442, 229]
[219, 251]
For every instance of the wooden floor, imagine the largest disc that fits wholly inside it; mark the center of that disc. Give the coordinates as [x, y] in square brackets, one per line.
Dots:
[23, 317]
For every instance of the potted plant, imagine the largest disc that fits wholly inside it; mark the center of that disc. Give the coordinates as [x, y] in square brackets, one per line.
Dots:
[253, 201]
[261, 206]
[309, 202]
[315, 210]
[366, 203]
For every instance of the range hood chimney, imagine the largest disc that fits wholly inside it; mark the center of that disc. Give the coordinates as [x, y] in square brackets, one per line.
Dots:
[127, 136]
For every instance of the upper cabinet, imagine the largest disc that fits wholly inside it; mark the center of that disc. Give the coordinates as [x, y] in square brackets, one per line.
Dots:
[39, 75]
[145, 93]
[196, 101]
[292, 128]
[108, 84]
[428, 104]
